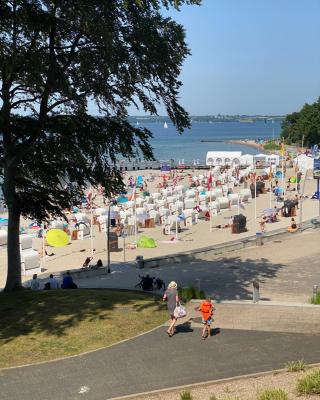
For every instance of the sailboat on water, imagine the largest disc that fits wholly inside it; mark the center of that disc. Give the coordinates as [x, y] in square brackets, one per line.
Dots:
[165, 125]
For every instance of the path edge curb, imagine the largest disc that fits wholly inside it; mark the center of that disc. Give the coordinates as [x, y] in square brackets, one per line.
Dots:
[205, 383]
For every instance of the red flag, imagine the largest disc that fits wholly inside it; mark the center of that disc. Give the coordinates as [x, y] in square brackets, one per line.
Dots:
[209, 181]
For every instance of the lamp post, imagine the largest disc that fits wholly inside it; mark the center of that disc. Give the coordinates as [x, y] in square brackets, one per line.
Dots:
[111, 202]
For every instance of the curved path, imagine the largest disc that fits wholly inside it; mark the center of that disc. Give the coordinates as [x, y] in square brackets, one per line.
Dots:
[154, 361]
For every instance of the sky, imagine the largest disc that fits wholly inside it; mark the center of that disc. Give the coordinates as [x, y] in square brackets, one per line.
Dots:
[250, 56]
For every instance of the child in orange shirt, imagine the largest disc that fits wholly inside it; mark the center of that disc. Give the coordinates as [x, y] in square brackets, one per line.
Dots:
[206, 309]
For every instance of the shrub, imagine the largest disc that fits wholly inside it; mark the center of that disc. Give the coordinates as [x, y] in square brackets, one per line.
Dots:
[272, 146]
[316, 299]
[310, 383]
[273, 394]
[185, 396]
[213, 397]
[190, 292]
[295, 366]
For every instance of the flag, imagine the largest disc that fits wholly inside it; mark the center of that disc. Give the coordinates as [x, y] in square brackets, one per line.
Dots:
[209, 181]
[270, 174]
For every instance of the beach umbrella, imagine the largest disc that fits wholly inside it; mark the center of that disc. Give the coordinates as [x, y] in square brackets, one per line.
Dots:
[122, 199]
[3, 222]
[57, 238]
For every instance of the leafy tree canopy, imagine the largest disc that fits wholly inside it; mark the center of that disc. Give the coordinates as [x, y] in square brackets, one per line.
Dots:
[56, 57]
[303, 125]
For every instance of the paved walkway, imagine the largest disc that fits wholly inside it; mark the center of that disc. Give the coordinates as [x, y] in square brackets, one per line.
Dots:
[154, 361]
[283, 272]
[262, 316]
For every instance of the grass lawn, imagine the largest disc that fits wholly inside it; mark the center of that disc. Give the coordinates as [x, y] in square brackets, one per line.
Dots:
[45, 325]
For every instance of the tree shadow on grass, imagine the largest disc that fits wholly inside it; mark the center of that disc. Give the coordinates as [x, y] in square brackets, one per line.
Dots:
[54, 312]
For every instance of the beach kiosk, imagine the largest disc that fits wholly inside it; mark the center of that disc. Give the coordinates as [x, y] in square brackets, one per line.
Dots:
[273, 159]
[260, 160]
[246, 160]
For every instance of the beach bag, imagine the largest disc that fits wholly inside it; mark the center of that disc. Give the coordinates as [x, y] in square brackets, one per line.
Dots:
[179, 311]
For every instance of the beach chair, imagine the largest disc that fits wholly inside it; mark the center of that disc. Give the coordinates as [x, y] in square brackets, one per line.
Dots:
[190, 194]
[213, 195]
[190, 216]
[3, 237]
[164, 213]
[150, 207]
[234, 199]
[223, 203]
[155, 196]
[160, 203]
[155, 215]
[170, 200]
[218, 193]
[171, 224]
[189, 203]
[101, 211]
[139, 202]
[130, 227]
[245, 195]
[30, 259]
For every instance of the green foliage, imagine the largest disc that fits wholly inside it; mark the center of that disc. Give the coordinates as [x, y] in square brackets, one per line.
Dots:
[305, 123]
[310, 383]
[57, 59]
[190, 292]
[295, 366]
[273, 394]
[272, 146]
[315, 299]
[185, 396]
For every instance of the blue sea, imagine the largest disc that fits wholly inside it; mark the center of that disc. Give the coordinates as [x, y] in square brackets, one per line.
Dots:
[168, 144]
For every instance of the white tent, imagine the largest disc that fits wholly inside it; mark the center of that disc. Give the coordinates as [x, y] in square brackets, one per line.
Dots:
[259, 157]
[273, 159]
[246, 159]
[223, 157]
[304, 162]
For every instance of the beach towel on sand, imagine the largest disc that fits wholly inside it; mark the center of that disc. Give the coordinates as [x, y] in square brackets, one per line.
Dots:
[146, 242]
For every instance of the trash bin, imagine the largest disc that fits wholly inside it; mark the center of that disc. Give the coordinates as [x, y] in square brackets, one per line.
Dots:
[140, 262]
[259, 237]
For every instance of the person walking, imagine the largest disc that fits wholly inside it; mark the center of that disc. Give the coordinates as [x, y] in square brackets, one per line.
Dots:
[206, 308]
[172, 299]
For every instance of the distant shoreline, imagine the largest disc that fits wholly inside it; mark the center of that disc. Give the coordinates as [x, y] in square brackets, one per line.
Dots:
[249, 143]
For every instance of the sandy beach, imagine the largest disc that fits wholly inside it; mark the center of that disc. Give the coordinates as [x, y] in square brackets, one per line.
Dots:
[191, 237]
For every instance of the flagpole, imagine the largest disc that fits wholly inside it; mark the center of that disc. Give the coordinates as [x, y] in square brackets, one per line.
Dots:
[177, 226]
[255, 192]
[43, 246]
[282, 170]
[135, 211]
[270, 180]
[210, 213]
[91, 223]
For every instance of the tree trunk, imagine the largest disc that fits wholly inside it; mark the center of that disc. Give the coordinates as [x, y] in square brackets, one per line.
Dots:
[13, 251]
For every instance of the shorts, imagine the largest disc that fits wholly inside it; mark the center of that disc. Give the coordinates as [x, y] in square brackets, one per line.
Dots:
[207, 322]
